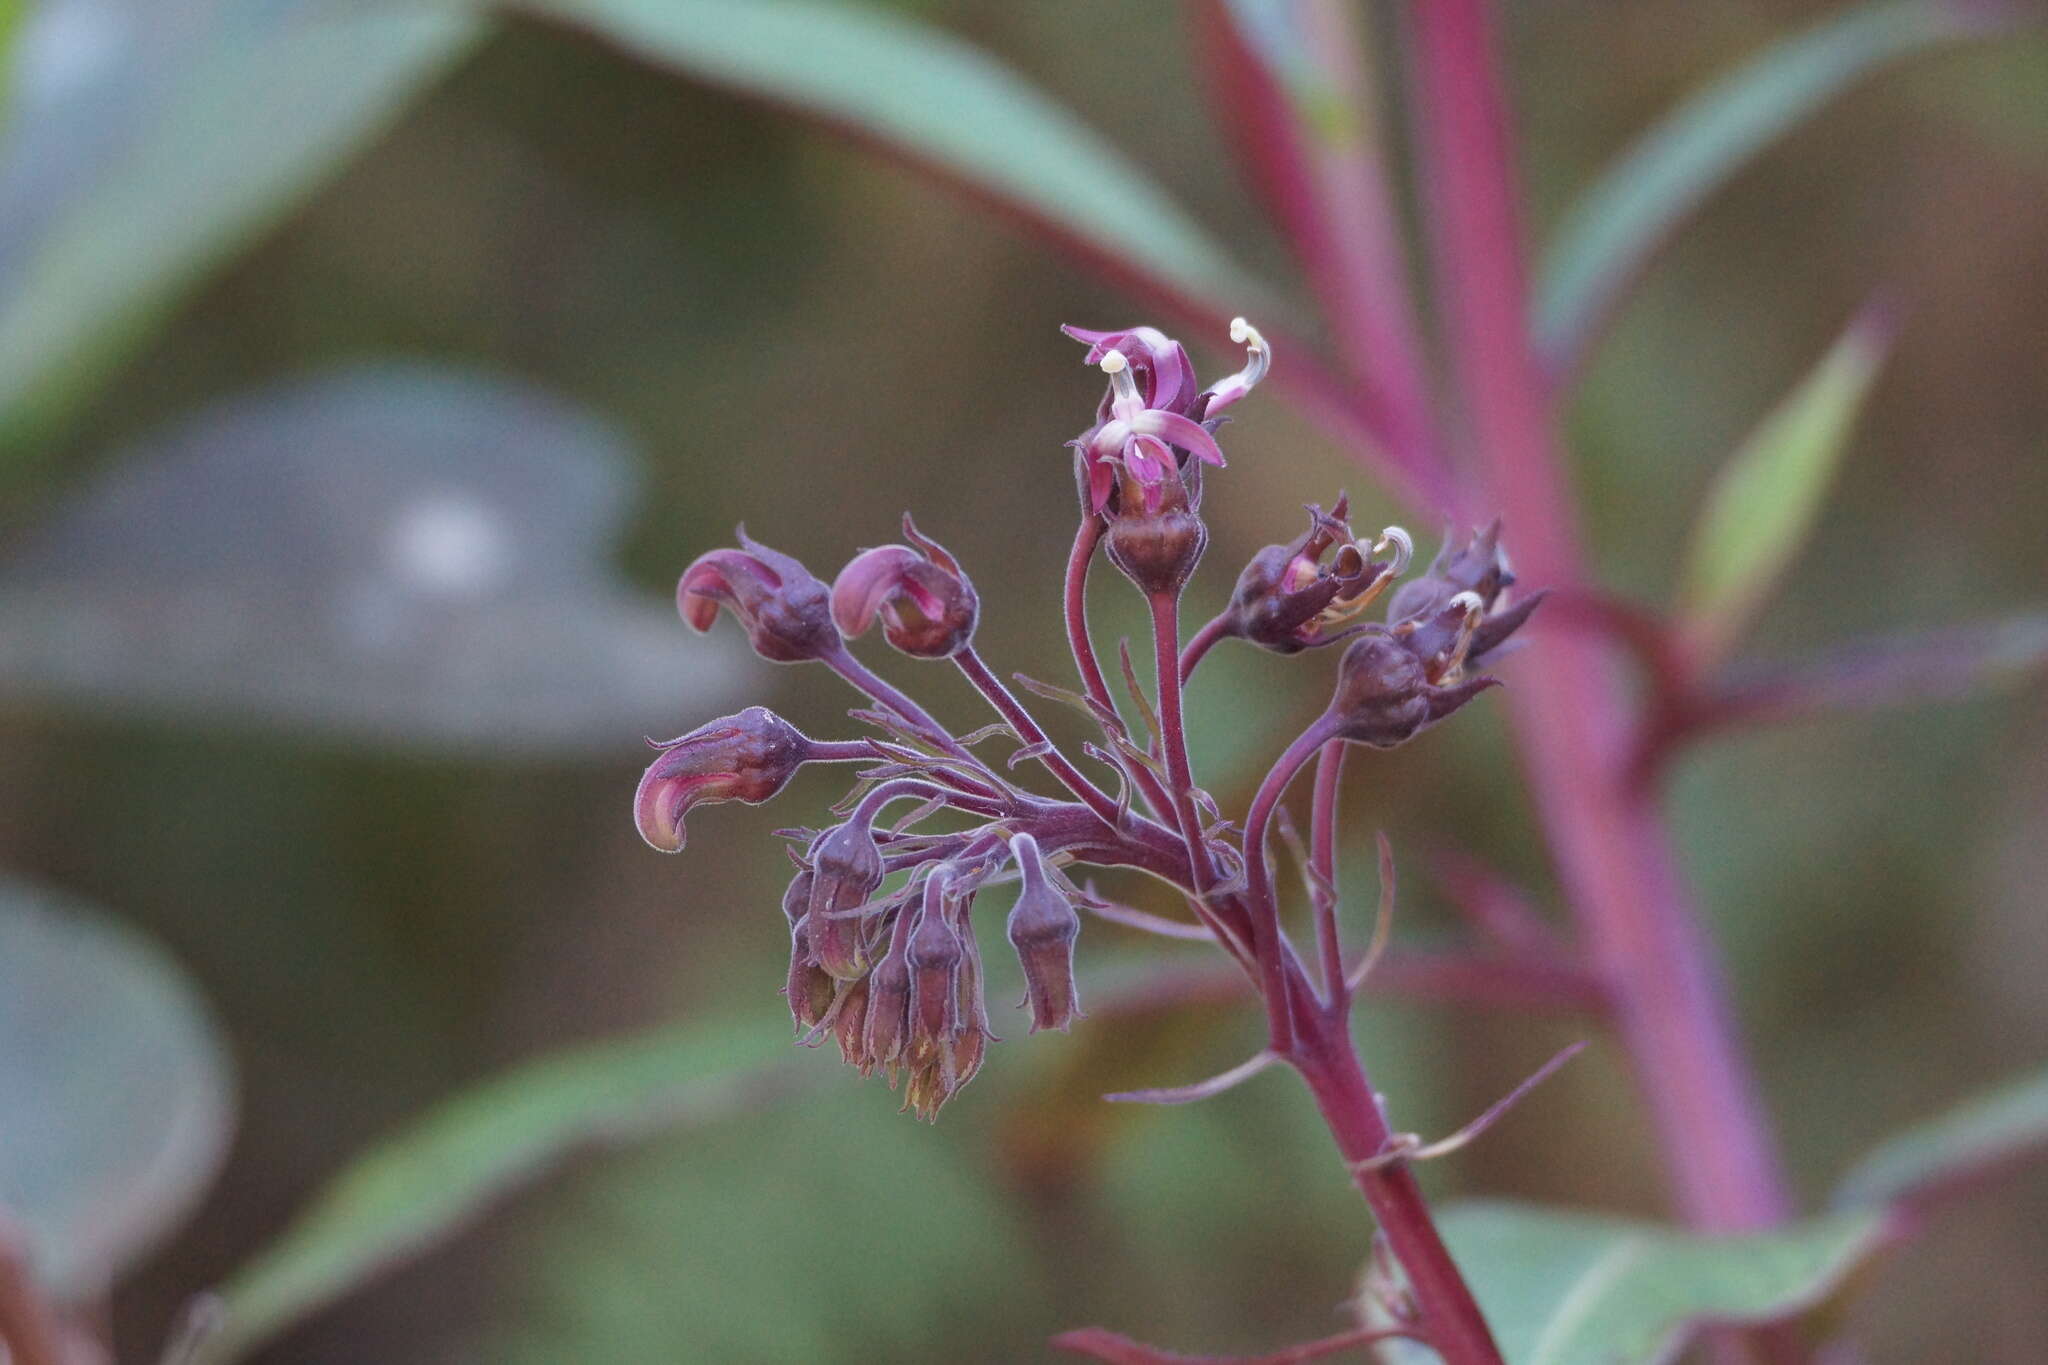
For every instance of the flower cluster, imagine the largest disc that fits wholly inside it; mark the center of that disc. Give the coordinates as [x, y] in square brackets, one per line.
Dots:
[885, 958]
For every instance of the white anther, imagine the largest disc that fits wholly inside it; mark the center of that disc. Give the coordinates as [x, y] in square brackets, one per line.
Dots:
[1472, 602]
[1403, 546]
[1117, 366]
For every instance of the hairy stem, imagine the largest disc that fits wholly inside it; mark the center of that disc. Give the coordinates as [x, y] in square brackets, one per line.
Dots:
[1322, 863]
[1086, 536]
[1215, 629]
[1267, 937]
[1011, 710]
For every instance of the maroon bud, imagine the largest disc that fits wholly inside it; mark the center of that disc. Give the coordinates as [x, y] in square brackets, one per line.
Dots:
[849, 1027]
[809, 987]
[1475, 566]
[1155, 536]
[934, 954]
[1384, 694]
[796, 897]
[846, 870]
[888, 1015]
[1289, 599]
[746, 757]
[927, 605]
[786, 611]
[1042, 928]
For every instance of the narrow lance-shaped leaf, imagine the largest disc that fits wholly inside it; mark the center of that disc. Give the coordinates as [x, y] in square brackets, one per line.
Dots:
[1611, 232]
[918, 91]
[1971, 1141]
[1567, 1288]
[1766, 499]
[429, 1182]
[241, 137]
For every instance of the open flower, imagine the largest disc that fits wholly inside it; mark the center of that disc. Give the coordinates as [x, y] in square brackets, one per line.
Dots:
[927, 605]
[785, 609]
[744, 757]
[1300, 595]
[1151, 409]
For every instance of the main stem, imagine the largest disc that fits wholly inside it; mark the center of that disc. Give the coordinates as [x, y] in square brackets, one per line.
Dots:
[1613, 855]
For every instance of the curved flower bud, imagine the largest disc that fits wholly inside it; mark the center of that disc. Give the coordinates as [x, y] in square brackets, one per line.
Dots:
[1042, 928]
[1288, 598]
[785, 609]
[744, 757]
[1384, 693]
[927, 605]
[846, 870]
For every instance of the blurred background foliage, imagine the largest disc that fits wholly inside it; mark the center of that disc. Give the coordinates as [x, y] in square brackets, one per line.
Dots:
[374, 532]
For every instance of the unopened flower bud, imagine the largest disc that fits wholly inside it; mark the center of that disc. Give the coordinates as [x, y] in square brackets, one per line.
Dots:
[934, 953]
[1042, 928]
[888, 1014]
[849, 1026]
[1384, 695]
[796, 897]
[809, 987]
[846, 870]
[746, 757]
[927, 605]
[786, 611]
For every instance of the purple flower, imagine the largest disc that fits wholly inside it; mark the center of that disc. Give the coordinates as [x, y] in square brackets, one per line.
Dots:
[1144, 416]
[785, 609]
[927, 605]
[1289, 599]
[745, 757]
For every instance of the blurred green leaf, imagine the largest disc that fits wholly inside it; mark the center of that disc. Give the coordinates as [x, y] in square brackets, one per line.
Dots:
[431, 1181]
[925, 95]
[841, 1232]
[118, 1100]
[1564, 1288]
[244, 132]
[1608, 236]
[1766, 498]
[1972, 1140]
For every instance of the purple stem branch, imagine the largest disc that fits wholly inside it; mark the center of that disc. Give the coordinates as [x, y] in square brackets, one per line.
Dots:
[1086, 536]
[1011, 710]
[1267, 936]
[1322, 863]
[1613, 854]
[842, 662]
[1214, 629]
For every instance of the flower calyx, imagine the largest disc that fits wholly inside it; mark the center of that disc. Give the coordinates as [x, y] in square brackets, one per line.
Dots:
[926, 603]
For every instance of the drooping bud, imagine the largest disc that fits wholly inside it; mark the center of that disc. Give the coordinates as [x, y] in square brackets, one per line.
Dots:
[1289, 598]
[846, 871]
[888, 1016]
[745, 757]
[809, 986]
[1384, 694]
[849, 1026]
[934, 953]
[796, 897]
[786, 611]
[1042, 928]
[927, 605]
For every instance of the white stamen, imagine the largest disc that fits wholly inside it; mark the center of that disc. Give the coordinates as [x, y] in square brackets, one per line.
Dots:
[1118, 367]
[1403, 546]
[1258, 355]
[1475, 609]
[1472, 602]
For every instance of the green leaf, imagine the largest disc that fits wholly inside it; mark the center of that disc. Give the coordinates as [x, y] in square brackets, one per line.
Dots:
[118, 1100]
[1766, 499]
[429, 1182]
[1564, 1288]
[1608, 236]
[1989, 1132]
[920, 92]
[245, 131]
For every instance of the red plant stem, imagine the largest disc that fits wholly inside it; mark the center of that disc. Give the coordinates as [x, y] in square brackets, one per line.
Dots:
[1267, 937]
[842, 662]
[1613, 855]
[1328, 1060]
[1322, 861]
[1215, 629]
[1011, 710]
[1086, 536]
[29, 1327]
[1180, 778]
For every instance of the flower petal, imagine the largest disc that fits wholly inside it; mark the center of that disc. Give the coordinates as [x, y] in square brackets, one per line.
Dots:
[865, 583]
[1186, 434]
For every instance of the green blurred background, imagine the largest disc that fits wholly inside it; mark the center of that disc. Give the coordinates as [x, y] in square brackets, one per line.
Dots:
[772, 325]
